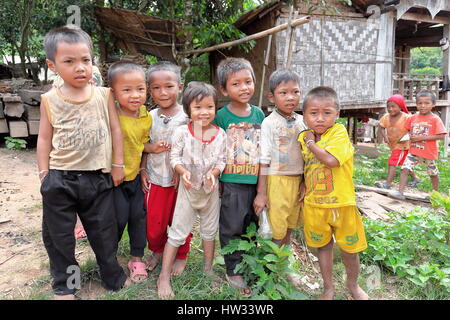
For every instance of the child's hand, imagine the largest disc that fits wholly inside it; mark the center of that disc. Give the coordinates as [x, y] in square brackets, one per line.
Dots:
[145, 181]
[175, 179]
[117, 174]
[309, 136]
[211, 178]
[186, 178]
[301, 191]
[260, 203]
[161, 146]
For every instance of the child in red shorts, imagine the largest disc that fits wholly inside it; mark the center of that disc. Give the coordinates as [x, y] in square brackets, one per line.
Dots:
[392, 128]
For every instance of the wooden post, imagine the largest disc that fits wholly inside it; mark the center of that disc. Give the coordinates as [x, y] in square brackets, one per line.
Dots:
[445, 112]
[265, 65]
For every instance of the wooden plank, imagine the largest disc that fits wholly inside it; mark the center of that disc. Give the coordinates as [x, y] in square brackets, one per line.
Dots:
[388, 204]
[33, 126]
[3, 126]
[18, 129]
[372, 210]
[409, 196]
[14, 109]
[32, 112]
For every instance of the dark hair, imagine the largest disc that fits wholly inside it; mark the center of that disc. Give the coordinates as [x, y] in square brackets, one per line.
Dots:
[321, 92]
[282, 76]
[232, 65]
[426, 93]
[69, 33]
[122, 66]
[164, 66]
[197, 90]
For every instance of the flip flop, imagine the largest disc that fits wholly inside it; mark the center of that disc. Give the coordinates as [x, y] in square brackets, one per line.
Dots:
[80, 233]
[137, 269]
[241, 287]
[396, 195]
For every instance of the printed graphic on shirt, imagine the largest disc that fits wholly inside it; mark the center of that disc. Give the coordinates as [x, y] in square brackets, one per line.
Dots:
[75, 135]
[420, 129]
[243, 141]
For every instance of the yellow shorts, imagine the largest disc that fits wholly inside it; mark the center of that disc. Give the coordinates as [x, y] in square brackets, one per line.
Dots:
[284, 208]
[344, 223]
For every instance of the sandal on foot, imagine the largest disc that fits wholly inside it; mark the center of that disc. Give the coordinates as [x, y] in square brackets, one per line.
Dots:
[137, 271]
[243, 289]
[382, 185]
[396, 195]
[413, 183]
[80, 233]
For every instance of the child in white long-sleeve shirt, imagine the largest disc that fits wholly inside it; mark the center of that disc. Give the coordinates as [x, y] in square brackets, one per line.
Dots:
[198, 156]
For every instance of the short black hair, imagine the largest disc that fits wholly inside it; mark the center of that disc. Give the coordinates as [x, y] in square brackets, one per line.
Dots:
[232, 65]
[426, 93]
[197, 90]
[282, 76]
[69, 33]
[164, 66]
[122, 66]
[321, 92]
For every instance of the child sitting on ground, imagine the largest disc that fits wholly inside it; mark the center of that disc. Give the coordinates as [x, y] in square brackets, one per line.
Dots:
[392, 129]
[159, 181]
[424, 128]
[127, 81]
[198, 156]
[280, 174]
[78, 132]
[329, 203]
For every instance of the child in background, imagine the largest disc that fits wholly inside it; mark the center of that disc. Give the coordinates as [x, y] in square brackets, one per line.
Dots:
[242, 123]
[78, 132]
[127, 81]
[198, 156]
[424, 128]
[392, 129]
[329, 203]
[159, 182]
[280, 175]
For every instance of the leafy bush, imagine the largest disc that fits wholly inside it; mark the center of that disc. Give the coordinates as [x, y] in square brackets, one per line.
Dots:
[265, 266]
[367, 170]
[14, 143]
[415, 246]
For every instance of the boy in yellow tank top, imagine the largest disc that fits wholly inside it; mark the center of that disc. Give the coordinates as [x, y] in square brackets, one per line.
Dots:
[78, 131]
[329, 202]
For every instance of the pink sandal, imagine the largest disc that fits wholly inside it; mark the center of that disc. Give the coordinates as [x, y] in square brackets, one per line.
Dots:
[80, 234]
[137, 271]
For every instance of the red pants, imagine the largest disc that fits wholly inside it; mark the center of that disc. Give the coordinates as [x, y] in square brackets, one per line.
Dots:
[160, 204]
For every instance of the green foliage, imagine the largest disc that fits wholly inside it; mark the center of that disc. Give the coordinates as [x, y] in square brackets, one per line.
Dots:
[415, 246]
[14, 143]
[426, 57]
[427, 71]
[265, 266]
[367, 170]
[441, 200]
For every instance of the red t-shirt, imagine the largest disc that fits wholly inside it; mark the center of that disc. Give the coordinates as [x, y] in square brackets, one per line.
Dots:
[430, 125]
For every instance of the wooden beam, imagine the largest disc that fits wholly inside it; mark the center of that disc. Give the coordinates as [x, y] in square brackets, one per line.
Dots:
[409, 196]
[254, 36]
[411, 16]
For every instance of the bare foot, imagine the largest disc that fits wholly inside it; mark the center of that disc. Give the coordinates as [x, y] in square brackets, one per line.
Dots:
[328, 294]
[64, 297]
[127, 283]
[215, 279]
[153, 261]
[294, 278]
[357, 293]
[238, 283]
[178, 266]
[164, 287]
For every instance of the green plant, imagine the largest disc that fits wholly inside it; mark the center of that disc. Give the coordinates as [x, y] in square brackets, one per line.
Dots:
[14, 143]
[440, 200]
[265, 266]
[414, 246]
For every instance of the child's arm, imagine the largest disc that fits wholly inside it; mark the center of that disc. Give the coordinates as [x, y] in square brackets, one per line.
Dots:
[145, 181]
[321, 154]
[424, 138]
[117, 173]
[157, 147]
[301, 190]
[261, 200]
[44, 143]
[382, 132]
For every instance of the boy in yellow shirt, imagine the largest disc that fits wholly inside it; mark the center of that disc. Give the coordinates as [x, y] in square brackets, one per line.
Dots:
[329, 201]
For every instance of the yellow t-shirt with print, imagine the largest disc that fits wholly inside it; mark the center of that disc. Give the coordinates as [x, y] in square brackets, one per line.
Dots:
[135, 132]
[329, 187]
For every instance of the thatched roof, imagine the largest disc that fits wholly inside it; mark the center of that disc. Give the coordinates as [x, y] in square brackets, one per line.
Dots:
[141, 33]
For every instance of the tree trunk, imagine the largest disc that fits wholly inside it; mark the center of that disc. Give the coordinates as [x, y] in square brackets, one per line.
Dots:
[25, 33]
[34, 72]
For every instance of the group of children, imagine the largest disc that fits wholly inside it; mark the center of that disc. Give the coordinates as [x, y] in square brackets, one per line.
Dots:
[103, 156]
